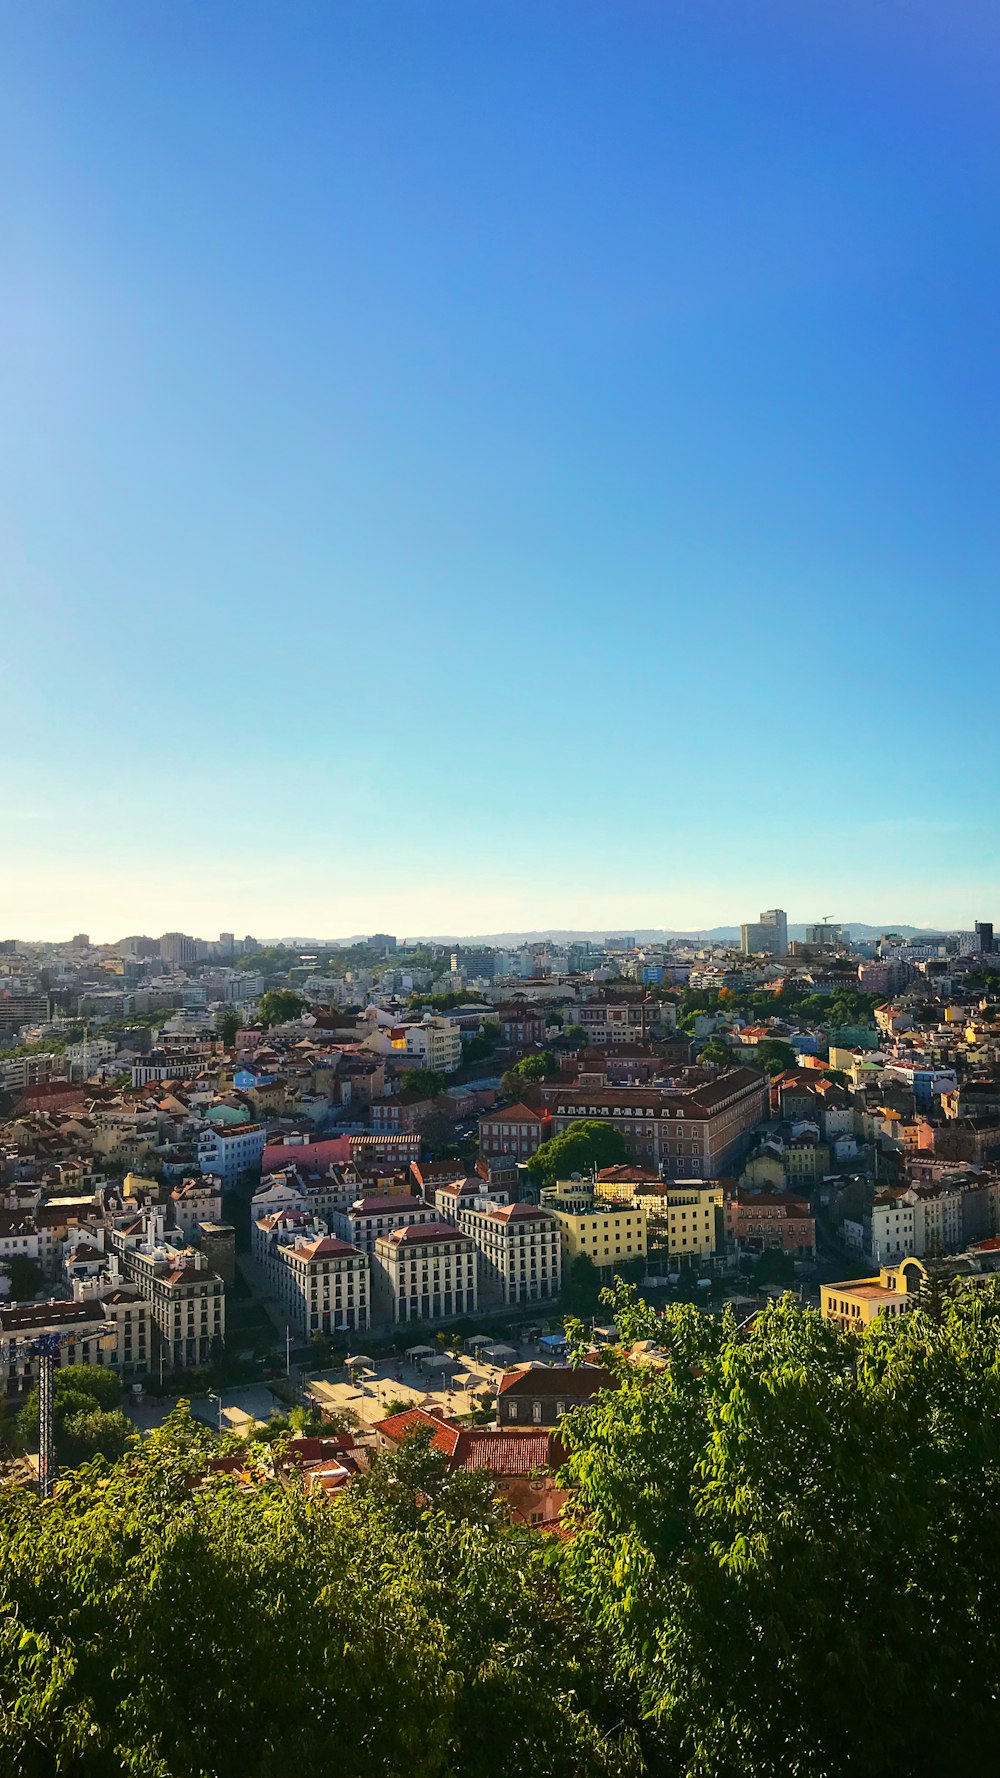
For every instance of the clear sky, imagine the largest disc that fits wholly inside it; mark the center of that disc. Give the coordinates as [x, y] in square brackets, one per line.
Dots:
[480, 464]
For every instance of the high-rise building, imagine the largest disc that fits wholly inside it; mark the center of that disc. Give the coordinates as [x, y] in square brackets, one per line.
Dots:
[984, 935]
[826, 932]
[769, 933]
[176, 949]
[226, 943]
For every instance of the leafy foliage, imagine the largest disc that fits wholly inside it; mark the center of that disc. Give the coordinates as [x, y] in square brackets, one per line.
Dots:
[158, 1629]
[423, 1083]
[791, 1536]
[279, 1005]
[584, 1144]
[86, 1417]
[542, 1066]
[25, 1275]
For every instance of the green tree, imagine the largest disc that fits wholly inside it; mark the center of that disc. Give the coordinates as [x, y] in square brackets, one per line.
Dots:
[575, 1036]
[716, 1051]
[774, 1056]
[829, 1497]
[423, 1083]
[124, 1607]
[542, 1066]
[85, 1415]
[279, 1005]
[581, 1291]
[229, 1025]
[584, 1146]
[94, 1432]
[773, 1267]
[25, 1275]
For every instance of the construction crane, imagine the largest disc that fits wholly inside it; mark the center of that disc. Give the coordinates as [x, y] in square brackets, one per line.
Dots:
[45, 1348]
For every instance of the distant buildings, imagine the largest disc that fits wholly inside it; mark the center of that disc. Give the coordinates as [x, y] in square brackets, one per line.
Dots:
[769, 933]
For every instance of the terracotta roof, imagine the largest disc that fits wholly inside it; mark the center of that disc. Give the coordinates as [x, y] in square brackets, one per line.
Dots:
[557, 1382]
[416, 1232]
[326, 1247]
[400, 1426]
[515, 1114]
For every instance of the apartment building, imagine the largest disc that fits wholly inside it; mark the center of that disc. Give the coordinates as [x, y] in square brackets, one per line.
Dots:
[607, 1231]
[369, 1218]
[609, 1022]
[231, 1150]
[432, 1270]
[82, 1326]
[682, 1132]
[765, 1220]
[521, 1249]
[195, 1201]
[322, 1284]
[683, 1222]
[516, 1131]
[186, 1298]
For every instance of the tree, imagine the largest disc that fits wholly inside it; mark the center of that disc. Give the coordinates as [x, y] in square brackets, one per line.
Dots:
[585, 1146]
[773, 1267]
[437, 1130]
[86, 1420]
[716, 1051]
[229, 1025]
[94, 1432]
[775, 1056]
[483, 1044]
[25, 1275]
[581, 1291]
[423, 1083]
[279, 1005]
[124, 1606]
[718, 1497]
[541, 1066]
[575, 1036]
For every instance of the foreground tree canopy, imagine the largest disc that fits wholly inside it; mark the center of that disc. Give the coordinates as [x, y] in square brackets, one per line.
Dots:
[786, 1561]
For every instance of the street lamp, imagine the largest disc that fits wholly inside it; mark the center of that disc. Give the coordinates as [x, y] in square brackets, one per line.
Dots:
[213, 1397]
[46, 1348]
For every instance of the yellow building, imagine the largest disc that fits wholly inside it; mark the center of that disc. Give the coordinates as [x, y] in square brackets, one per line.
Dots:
[859, 1302]
[842, 1059]
[687, 1215]
[608, 1233]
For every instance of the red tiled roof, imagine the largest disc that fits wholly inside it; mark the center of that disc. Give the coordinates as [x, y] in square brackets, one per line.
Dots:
[400, 1426]
[327, 1247]
[425, 1231]
[556, 1382]
[515, 1114]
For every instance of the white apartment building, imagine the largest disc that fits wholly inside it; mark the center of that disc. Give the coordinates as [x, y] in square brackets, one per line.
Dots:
[232, 1150]
[432, 1271]
[521, 1249]
[186, 1298]
[370, 1218]
[322, 1284]
[19, 1236]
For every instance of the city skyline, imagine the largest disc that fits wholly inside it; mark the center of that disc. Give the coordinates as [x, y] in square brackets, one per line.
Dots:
[722, 933]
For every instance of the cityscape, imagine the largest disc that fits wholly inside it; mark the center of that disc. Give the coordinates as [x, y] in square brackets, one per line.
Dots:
[499, 889]
[234, 1154]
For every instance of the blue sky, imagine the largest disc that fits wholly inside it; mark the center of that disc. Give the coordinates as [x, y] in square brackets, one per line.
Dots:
[474, 466]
